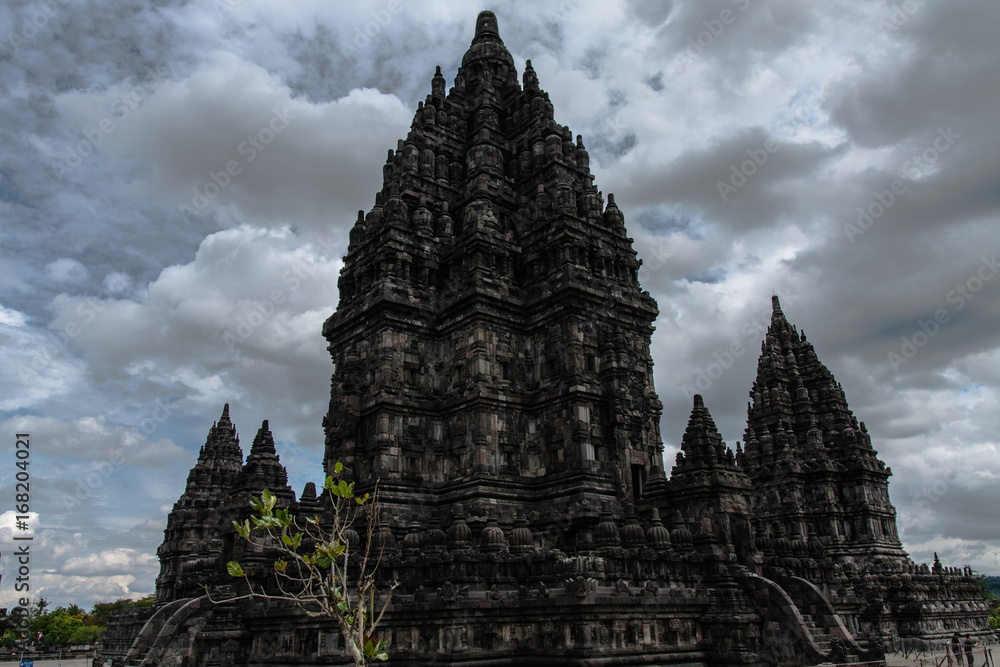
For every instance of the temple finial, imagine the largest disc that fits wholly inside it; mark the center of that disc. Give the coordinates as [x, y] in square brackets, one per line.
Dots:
[437, 83]
[486, 24]
[529, 78]
[775, 304]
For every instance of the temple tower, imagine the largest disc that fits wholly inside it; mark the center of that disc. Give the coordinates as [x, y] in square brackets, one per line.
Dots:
[193, 542]
[713, 492]
[493, 375]
[492, 340]
[815, 473]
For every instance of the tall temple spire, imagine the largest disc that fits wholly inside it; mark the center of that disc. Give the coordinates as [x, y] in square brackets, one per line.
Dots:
[489, 247]
[801, 432]
[795, 391]
[192, 541]
[219, 460]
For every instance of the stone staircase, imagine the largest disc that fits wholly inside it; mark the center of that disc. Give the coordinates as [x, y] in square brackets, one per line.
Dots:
[821, 637]
[811, 631]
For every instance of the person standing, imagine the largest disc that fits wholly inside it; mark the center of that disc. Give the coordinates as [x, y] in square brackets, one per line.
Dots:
[970, 643]
[956, 648]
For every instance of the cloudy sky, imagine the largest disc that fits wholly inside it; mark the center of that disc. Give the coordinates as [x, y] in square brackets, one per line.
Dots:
[842, 154]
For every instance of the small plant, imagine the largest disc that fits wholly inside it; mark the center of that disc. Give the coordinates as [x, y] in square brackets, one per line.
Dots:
[316, 569]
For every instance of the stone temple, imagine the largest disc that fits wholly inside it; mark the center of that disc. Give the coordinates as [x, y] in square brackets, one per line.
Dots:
[493, 373]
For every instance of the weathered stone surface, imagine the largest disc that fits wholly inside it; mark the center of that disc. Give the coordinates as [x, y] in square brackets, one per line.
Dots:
[820, 501]
[493, 373]
[193, 541]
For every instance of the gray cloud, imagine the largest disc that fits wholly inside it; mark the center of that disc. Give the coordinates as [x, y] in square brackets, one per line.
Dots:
[853, 94]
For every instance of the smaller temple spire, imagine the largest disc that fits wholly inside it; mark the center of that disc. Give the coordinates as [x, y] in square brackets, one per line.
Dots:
[702, 445]
[263, 469]
[437, 83]
[612, 214]
[529, 78]
[221, 453]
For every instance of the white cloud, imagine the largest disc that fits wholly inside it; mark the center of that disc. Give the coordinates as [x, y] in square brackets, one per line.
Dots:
[234, 134]
[110, 563]
[60, 589]
[247, 312]
[95, 439]
[11, 318]
[66, 270]
[9, 522]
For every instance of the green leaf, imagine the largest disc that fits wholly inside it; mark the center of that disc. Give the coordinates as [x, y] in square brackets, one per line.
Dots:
[267, 499]
[286, 540]
[375, 650]
[328, 484]
[269, 522]
[242, 529]
[235, 569]
[345, 489]
[338, 467]
[297, 540]
[280, 565]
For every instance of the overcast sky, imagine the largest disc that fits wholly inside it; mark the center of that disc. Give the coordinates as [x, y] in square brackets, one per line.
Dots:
[841, 154]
